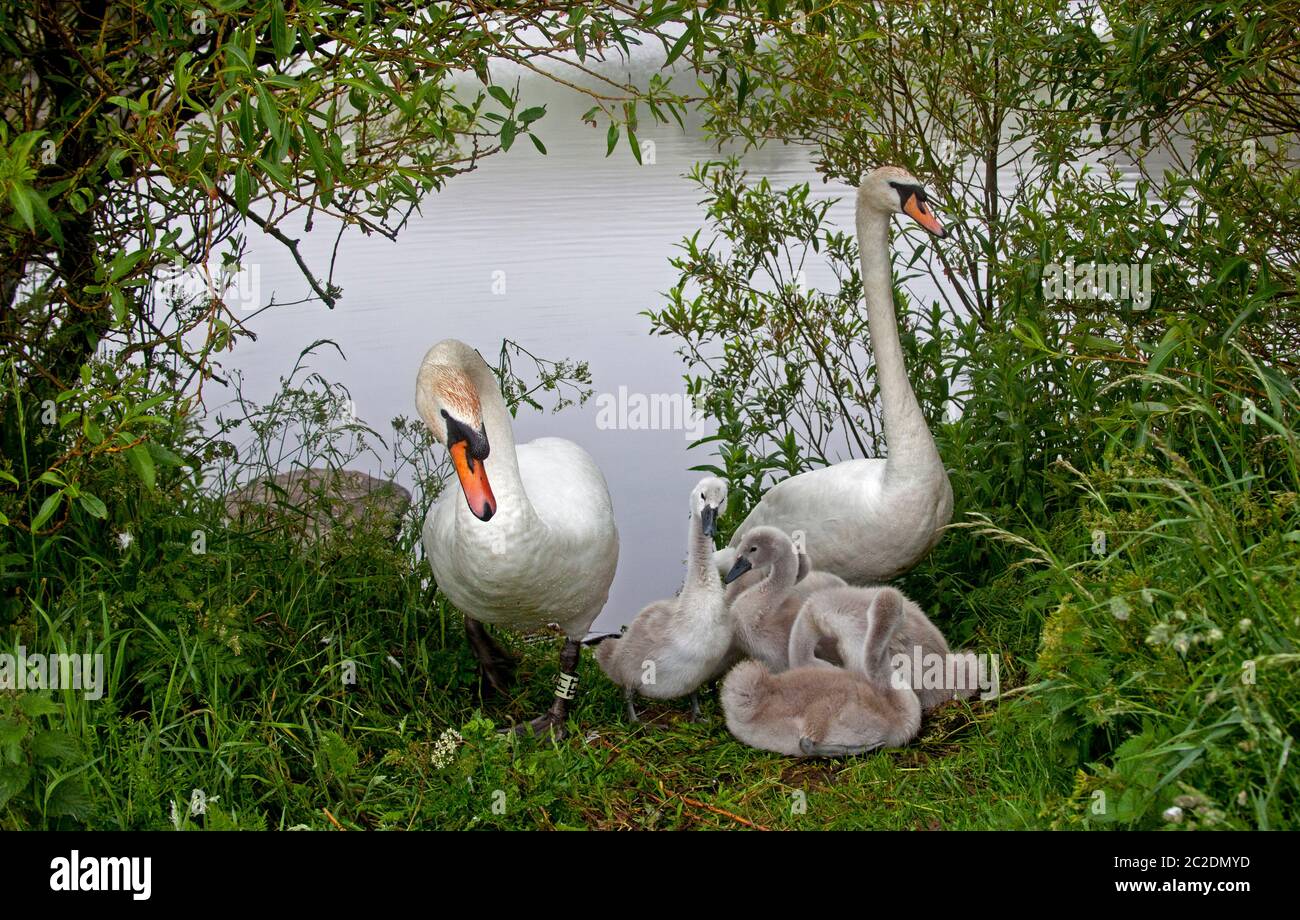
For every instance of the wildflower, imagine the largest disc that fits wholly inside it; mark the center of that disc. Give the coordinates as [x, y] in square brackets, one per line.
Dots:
[1173, 814]
[1181, 643]
[1159, 634]
[1244, 625]
[1214, 635]
[444, 749]
[1119, 608]
[124, 540]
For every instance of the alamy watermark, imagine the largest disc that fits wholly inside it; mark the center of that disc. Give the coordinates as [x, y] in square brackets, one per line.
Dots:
[1106, 281]
[22, 671]
[239, 287]
[628, 411]
[922, 670]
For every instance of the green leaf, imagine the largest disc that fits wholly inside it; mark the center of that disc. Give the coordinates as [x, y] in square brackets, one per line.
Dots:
[19, 198]
[48, 507]
[501, 96]
[1168, 345]
[530, 115]
[13, 780]
[319, 161]
[280, 38]
[611, 139]
[93, 505]
[123, 263]
[35, 705]
[243, 188]
[680, 45]
[164, 457]
[634, 143]
[54, 745]
[267, 110]
[140, 460]
[537, 142]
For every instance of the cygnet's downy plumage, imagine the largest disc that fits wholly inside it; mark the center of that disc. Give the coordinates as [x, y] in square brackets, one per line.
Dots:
[763, 615]
[820, 710]
[916, 638]
[674, 646]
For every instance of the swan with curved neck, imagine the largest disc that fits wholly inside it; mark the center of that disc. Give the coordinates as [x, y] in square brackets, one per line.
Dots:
[530, 540]
[869, 520]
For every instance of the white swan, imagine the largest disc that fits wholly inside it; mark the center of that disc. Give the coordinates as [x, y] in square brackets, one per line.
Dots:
[532, 539]
[871, 520]
[674, 646]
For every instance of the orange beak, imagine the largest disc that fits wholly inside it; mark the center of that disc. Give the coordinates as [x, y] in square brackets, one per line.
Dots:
[921, 213]
[473, 482]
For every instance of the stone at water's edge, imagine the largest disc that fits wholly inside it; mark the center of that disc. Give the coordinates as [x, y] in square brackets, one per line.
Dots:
[314, 501]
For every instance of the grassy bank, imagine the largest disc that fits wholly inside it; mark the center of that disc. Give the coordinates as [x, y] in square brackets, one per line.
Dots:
[328, 684]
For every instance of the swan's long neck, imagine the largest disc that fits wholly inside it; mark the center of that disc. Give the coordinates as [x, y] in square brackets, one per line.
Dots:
[502, 462]
[907, 436]
[701, 574]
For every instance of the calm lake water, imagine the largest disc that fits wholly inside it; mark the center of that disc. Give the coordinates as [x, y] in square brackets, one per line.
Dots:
[584, 243]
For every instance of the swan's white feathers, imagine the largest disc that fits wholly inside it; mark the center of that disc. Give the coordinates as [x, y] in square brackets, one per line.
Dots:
[529, 566]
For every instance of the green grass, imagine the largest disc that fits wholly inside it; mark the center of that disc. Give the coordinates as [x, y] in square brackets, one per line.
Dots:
[228, 678]
[227, 675]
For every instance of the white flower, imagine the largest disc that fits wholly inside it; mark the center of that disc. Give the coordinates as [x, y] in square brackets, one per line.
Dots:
[124, 540]
[1159, 634]
[444, 749]
[1173, 814]
[1245, 624]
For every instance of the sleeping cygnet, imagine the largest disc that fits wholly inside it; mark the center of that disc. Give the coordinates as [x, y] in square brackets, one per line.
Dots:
[820, 710]
[916, 639]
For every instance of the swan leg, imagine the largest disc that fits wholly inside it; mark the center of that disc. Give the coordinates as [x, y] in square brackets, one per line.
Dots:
[813, 748]
[695, 707]
[566, 689]
[629, 696]
[496, 668]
